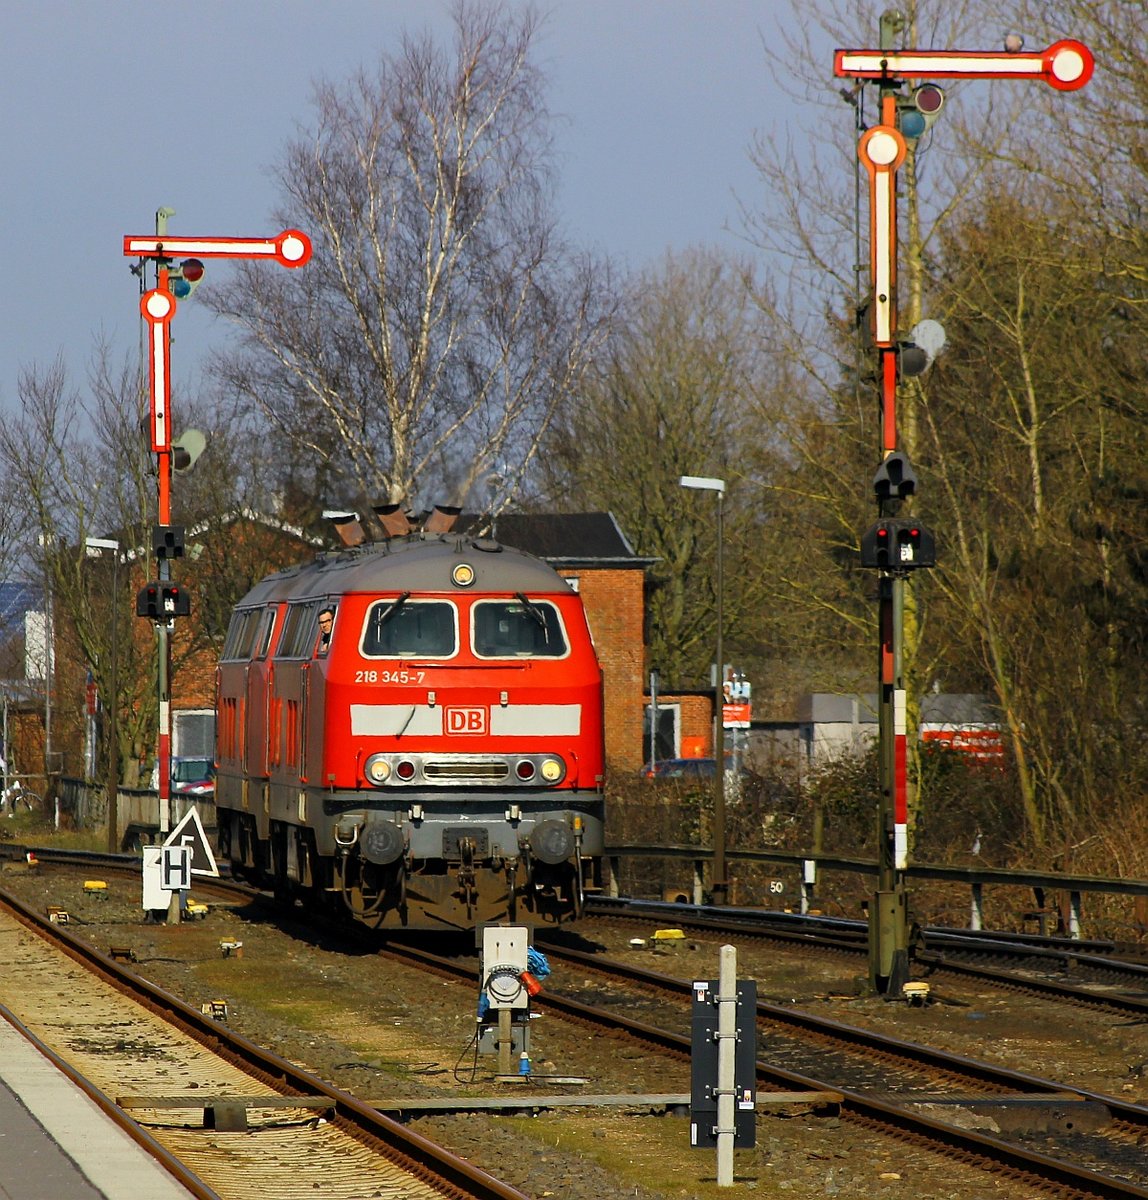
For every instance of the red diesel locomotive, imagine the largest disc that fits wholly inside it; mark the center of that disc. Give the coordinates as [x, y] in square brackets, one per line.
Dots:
[414, 727]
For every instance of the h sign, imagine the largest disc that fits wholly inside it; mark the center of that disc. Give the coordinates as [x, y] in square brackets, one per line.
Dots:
[175, 868]
[466, 720]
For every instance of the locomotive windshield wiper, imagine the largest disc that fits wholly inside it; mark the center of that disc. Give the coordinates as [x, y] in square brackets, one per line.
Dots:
[536, 613]
[392, 609]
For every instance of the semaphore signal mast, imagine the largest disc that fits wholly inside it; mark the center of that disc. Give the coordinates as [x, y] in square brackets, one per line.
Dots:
[895, 545]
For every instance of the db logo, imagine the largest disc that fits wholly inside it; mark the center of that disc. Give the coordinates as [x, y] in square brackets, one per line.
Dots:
[466, 720]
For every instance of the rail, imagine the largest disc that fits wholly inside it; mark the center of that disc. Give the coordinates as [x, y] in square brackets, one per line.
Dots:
[808, 866]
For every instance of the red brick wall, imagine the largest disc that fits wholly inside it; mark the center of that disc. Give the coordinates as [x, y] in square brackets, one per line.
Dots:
[696, 721]
[614, 598]
[193, 680]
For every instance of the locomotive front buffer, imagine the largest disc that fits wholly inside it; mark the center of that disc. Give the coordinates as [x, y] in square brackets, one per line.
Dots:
[395, 867]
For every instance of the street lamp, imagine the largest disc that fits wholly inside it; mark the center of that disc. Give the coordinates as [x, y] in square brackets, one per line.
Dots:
[705, 483]
[96, 545]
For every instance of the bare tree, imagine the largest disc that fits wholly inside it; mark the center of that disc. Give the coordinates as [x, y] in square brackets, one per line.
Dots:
[441, 321]
[682, 390]
[80, 468]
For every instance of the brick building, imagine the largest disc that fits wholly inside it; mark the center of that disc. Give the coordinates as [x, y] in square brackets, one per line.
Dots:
[591, 551]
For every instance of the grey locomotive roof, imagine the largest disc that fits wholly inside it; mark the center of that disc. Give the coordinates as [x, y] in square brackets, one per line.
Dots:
[415, 564]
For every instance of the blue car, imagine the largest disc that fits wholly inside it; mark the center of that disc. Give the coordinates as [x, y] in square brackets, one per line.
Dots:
[679, 768]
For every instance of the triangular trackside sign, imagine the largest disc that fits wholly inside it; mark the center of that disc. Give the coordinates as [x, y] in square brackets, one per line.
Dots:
[190, 832]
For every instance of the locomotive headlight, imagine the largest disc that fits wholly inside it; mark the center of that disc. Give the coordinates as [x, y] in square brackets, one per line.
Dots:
[462, 575]
[552, 770]
[377, 769]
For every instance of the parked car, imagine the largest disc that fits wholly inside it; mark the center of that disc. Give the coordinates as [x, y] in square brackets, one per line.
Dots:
[679, 768]
[690, 768]
[193, 777]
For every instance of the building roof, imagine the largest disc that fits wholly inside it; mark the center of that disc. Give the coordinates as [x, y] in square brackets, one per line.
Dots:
[569, 539]
[958, 708]
[17, 599]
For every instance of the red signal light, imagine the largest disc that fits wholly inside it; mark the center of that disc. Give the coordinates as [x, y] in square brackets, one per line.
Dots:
[929, 98]
[192, 269]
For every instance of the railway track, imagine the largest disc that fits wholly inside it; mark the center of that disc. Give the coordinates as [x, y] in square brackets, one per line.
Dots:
[939, 1099]
[1090, 1132]
[235, 1122]
[1058, 968]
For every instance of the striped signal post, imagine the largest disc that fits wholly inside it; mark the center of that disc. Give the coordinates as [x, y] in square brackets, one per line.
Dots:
[1066, 66]
[291, 248]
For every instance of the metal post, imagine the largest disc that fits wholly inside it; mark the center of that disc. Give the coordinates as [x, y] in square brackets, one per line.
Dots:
[4, 761]
[720, 883]
[1074, 914]
[505, 1041]
[109, 694]
[113, 716]
[653, 718]
[727, 1046]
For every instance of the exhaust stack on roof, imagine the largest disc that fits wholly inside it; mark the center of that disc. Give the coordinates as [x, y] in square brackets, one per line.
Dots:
[393, 519]
[442, 519]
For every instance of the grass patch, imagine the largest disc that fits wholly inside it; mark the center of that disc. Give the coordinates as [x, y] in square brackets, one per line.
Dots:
[643, 1151]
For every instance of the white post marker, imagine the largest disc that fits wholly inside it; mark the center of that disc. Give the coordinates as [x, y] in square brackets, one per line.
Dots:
[727, 1048]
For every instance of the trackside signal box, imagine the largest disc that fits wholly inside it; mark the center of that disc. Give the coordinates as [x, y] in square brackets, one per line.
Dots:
[161, 600]
[704, 1064]
[898, 545]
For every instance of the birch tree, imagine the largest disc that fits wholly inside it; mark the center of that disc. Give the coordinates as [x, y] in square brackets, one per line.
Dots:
[441, 322]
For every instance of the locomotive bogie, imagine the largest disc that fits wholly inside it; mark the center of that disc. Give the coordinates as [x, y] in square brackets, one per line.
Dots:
[431, 752]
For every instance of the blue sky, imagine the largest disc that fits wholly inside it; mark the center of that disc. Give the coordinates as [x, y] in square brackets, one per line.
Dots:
[113, 109]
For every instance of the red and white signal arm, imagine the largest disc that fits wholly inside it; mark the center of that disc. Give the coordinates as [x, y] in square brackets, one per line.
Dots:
[1065, 65]
[291, 248]
[158, 308]
[882, 150]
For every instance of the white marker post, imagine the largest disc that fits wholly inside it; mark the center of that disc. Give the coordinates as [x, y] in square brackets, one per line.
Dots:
[727, 1048]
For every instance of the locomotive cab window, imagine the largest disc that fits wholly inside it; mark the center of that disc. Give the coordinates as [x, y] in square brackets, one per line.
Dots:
[266, 628]
[241, 634]
[296, 640]
[401, 627]
[518, 628]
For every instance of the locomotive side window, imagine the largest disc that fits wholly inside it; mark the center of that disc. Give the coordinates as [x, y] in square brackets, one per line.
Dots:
[519, 628]
[401, 627]
[241, 634]
[263, 641]
[298, 631]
